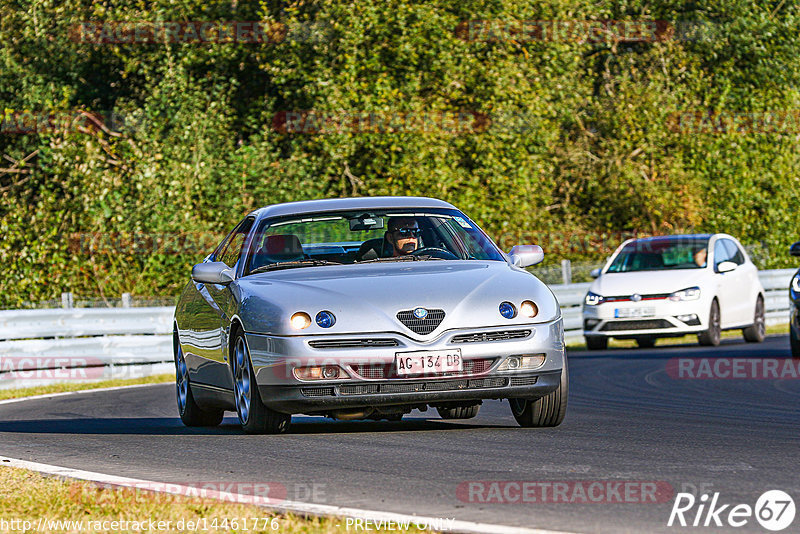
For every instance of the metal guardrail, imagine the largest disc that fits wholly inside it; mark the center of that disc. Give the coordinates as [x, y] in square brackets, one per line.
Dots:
[776, 301]
[41, 346]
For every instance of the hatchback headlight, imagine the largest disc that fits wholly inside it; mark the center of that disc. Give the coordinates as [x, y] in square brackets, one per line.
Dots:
[593, 299]
[690, 293]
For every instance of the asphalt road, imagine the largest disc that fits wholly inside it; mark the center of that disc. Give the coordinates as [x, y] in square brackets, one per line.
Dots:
[628, 420]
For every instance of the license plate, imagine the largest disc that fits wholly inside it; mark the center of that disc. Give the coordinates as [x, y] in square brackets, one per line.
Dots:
[634, 312]
[428, 362]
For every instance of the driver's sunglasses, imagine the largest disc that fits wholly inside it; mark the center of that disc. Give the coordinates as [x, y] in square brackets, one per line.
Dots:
[408, 232]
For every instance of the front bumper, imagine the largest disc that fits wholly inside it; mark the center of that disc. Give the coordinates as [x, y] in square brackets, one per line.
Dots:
[370, 381]
[660, 318]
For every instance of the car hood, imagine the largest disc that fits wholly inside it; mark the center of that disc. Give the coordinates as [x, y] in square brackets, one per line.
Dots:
[367, 298]
[647, 282]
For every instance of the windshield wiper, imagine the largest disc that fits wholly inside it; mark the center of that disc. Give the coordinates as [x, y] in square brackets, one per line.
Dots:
[292, 265]
[407, 257]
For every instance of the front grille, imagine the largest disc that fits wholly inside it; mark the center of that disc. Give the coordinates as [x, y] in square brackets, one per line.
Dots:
[386, 370]
[616, 326]
[317, 392]
[524, 381]
[480, 337]
[418, 387]
[421, 326]
[625, 298]
[353, 343]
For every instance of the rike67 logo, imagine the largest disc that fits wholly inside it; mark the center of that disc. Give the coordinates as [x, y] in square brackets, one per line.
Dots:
[774, 510]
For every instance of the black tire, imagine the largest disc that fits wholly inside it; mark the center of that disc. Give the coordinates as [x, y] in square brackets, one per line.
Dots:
[254, 417]
[547, 411]
[191, 414]
[646, 342]
[756, 332]
[711, 337]
[795, 343]
[460, 412]
[596, 342]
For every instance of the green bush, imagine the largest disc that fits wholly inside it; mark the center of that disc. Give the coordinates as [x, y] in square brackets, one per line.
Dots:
[570, 138]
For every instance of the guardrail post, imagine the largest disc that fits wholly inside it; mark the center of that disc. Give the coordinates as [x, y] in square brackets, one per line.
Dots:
[66, 300]
[566, 271]
[126, 300]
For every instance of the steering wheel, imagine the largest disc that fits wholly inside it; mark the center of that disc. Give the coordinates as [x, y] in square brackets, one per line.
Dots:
[435, 252]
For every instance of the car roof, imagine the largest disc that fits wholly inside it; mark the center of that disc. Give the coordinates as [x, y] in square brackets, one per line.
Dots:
[678, 236]
[345, 204]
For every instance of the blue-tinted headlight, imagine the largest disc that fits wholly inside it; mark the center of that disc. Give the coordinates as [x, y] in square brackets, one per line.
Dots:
[508, 310]
[325, 319]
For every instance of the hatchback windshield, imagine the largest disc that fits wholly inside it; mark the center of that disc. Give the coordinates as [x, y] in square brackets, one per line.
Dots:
[685, 252]
[374, 236]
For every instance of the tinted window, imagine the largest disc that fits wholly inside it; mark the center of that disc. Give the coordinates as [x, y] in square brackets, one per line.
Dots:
[233, 248]
[734, 253]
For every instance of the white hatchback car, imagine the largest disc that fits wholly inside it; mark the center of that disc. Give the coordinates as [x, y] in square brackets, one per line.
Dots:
[670, 286]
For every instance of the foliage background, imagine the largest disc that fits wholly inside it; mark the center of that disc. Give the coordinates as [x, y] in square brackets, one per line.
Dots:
[580, 145]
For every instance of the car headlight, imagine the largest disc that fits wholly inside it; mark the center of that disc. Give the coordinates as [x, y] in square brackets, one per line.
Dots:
[593, 299]
[796, 286]
[300, 320]
[507, 310]
[690, 293]
[528, 309]
[325, 319]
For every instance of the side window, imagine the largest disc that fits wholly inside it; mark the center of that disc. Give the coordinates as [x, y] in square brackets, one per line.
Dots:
[233, 248]
[734, 253]
[720, 252]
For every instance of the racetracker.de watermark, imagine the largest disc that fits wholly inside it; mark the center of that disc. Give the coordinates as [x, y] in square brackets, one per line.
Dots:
[699, 122]
[732, 368]
[566, 31]
[56, 121]
[196, 32]
[565, 491]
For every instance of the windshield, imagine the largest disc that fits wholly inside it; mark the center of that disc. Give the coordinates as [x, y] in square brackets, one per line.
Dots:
[373, 236]
[662, 254]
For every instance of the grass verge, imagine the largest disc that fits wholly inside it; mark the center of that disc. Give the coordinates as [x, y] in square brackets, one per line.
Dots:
[80, 386]
[29, 496]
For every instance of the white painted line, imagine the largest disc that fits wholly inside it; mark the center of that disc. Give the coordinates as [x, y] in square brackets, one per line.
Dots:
[77, 392]
[278, 506]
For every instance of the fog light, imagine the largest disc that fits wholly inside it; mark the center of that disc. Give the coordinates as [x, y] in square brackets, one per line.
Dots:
[327, 372]
[300, 320]
[528, 309]
[522, 362]
[690, 319]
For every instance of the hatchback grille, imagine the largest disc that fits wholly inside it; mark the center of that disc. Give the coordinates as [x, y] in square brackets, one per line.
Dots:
[386, 370]
[524, 381]
[616, 326]
[480, 337]
[352, 343]
[626, 298]
[421, 326]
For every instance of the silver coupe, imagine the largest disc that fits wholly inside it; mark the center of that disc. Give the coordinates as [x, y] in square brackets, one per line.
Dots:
[366, 308]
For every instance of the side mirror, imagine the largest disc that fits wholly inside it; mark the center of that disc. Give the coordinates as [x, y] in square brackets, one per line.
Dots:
[794, 250]
[214, 272]
[526, 255]
[726, 267]
[595, 273]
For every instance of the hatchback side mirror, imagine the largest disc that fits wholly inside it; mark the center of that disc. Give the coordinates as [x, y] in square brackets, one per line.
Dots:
[595, 273]
[794, 250]
[526, 255]
[214, 272]
[726, 267]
